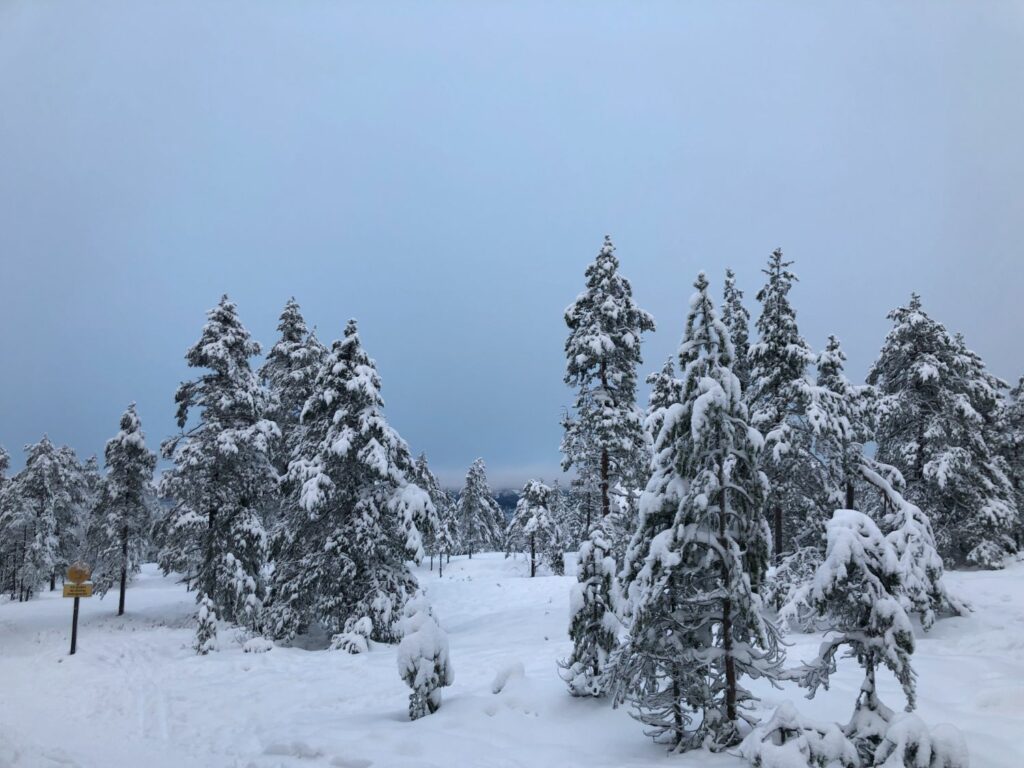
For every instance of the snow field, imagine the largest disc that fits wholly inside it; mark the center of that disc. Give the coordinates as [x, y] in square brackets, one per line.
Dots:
[136, 694]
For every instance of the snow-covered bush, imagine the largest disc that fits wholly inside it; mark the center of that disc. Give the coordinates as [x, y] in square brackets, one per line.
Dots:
[206, 631]
[790, 740]
[356, 636]
[909, 744]
[423, 657]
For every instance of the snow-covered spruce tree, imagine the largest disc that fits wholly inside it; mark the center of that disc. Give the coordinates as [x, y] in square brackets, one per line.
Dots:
[776, 399]
[438, 534]
[736, 319]
[532, 526]
[481, 522]
[697, 627]
[354, 517]
[288, 373]
[593, 625]
[934, 400]
[222, 481]
[423, 659]
[120, 521]
[206, 627]
[602, 354]
[857, 590]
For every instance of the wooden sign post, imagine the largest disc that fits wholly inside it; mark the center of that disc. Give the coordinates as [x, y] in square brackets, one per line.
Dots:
[77, 585]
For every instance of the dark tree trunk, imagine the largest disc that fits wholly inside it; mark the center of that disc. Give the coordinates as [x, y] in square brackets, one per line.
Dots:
[677, 713]
[124, 569]
[440, 565]
[850, 500]
[777, 532]
[533, 555]
[730, 662]
[53, 579]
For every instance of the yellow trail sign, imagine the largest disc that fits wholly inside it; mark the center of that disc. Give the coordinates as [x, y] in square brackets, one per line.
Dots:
[78, 590]
[78, 572]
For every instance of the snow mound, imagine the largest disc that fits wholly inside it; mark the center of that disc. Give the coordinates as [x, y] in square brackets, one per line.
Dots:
[257, 645]
[510, 671]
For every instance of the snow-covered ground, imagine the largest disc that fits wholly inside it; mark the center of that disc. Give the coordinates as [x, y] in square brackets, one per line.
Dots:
[136, 694]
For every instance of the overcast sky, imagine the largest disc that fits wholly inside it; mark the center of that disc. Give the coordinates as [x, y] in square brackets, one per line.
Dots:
[445, 171]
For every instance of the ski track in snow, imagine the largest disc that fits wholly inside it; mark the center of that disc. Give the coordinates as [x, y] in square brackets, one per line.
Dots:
[136, 694]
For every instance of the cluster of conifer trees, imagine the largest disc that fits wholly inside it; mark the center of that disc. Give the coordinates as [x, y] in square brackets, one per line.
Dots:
[762, 489]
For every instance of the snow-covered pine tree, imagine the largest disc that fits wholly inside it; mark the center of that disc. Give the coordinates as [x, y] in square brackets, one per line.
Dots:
[602, 354]
[206, 627]
[120, 521]
[481, 522]
[354, 517]
[1011, 448]
[423, 660]
[736, 319]
[842, 427]
[593, 625]
[922, 589]
[222, 482]
[666, 391]
[288, 373]
[697, 627]
[438, 536]
[8, 539]
[935, 399]
[856, 589]
[44, 503]
[532, 526]
[578, 454]
[562, 523]
[777, 406]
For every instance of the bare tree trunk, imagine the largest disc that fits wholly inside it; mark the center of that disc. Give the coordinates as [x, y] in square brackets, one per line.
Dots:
[850, 500]
[533, 555]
